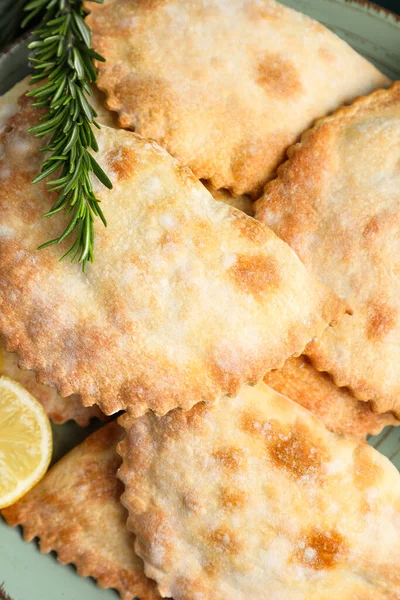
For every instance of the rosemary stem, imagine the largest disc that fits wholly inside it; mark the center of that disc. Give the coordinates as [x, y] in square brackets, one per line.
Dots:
[62, 59]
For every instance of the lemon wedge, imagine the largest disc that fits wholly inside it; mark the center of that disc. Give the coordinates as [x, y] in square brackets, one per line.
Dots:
[25, 441]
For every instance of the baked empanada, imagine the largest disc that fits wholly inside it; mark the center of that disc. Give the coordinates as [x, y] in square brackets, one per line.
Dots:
[59, 409]
[339, 411]
[187, 300]
[225, 86]
[337, 203]
[75, 511]
[255, 498]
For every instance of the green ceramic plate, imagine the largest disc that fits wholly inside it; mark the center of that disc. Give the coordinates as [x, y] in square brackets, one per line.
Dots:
[26, 573]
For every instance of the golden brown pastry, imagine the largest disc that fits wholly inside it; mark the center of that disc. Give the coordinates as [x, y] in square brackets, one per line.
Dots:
[337, 203]
[254, 498]
[75, 511]
[335, 407]
[188, 298]
[225, 86]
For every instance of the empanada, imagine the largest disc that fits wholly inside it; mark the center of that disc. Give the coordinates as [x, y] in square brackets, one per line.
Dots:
[337, 203]
[59, 409]
[225, 86]
[255, 498]
[187, 299]
[75, 511]
[339, 411]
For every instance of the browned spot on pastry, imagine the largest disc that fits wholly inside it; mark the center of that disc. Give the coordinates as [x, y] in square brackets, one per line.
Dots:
[322, 550]
[293, 451]
[251, 423]
[122, 161]
[232, 498]
[278, 76]
[225, 541]
[230, 458]
[366, 472]
[256, 274]
[381, 319]
[371, 229]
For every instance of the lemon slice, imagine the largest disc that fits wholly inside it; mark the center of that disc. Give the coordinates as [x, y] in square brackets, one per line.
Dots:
[25, 441]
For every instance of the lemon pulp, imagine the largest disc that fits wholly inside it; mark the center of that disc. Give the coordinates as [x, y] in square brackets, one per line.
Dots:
[25, 441]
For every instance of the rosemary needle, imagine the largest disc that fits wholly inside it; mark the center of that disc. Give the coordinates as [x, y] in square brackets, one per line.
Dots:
[62, 58]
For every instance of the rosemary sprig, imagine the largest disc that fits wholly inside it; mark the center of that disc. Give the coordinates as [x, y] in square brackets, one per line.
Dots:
[62, 58]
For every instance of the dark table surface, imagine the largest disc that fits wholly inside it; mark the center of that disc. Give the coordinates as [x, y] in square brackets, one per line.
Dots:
[393, 5]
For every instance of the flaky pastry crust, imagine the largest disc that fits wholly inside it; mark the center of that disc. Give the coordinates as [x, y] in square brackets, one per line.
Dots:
[224, 86]
[186, 301]
[336, 407]
[336, 202]
[260, 501]
[59, 409]
[75, 511]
